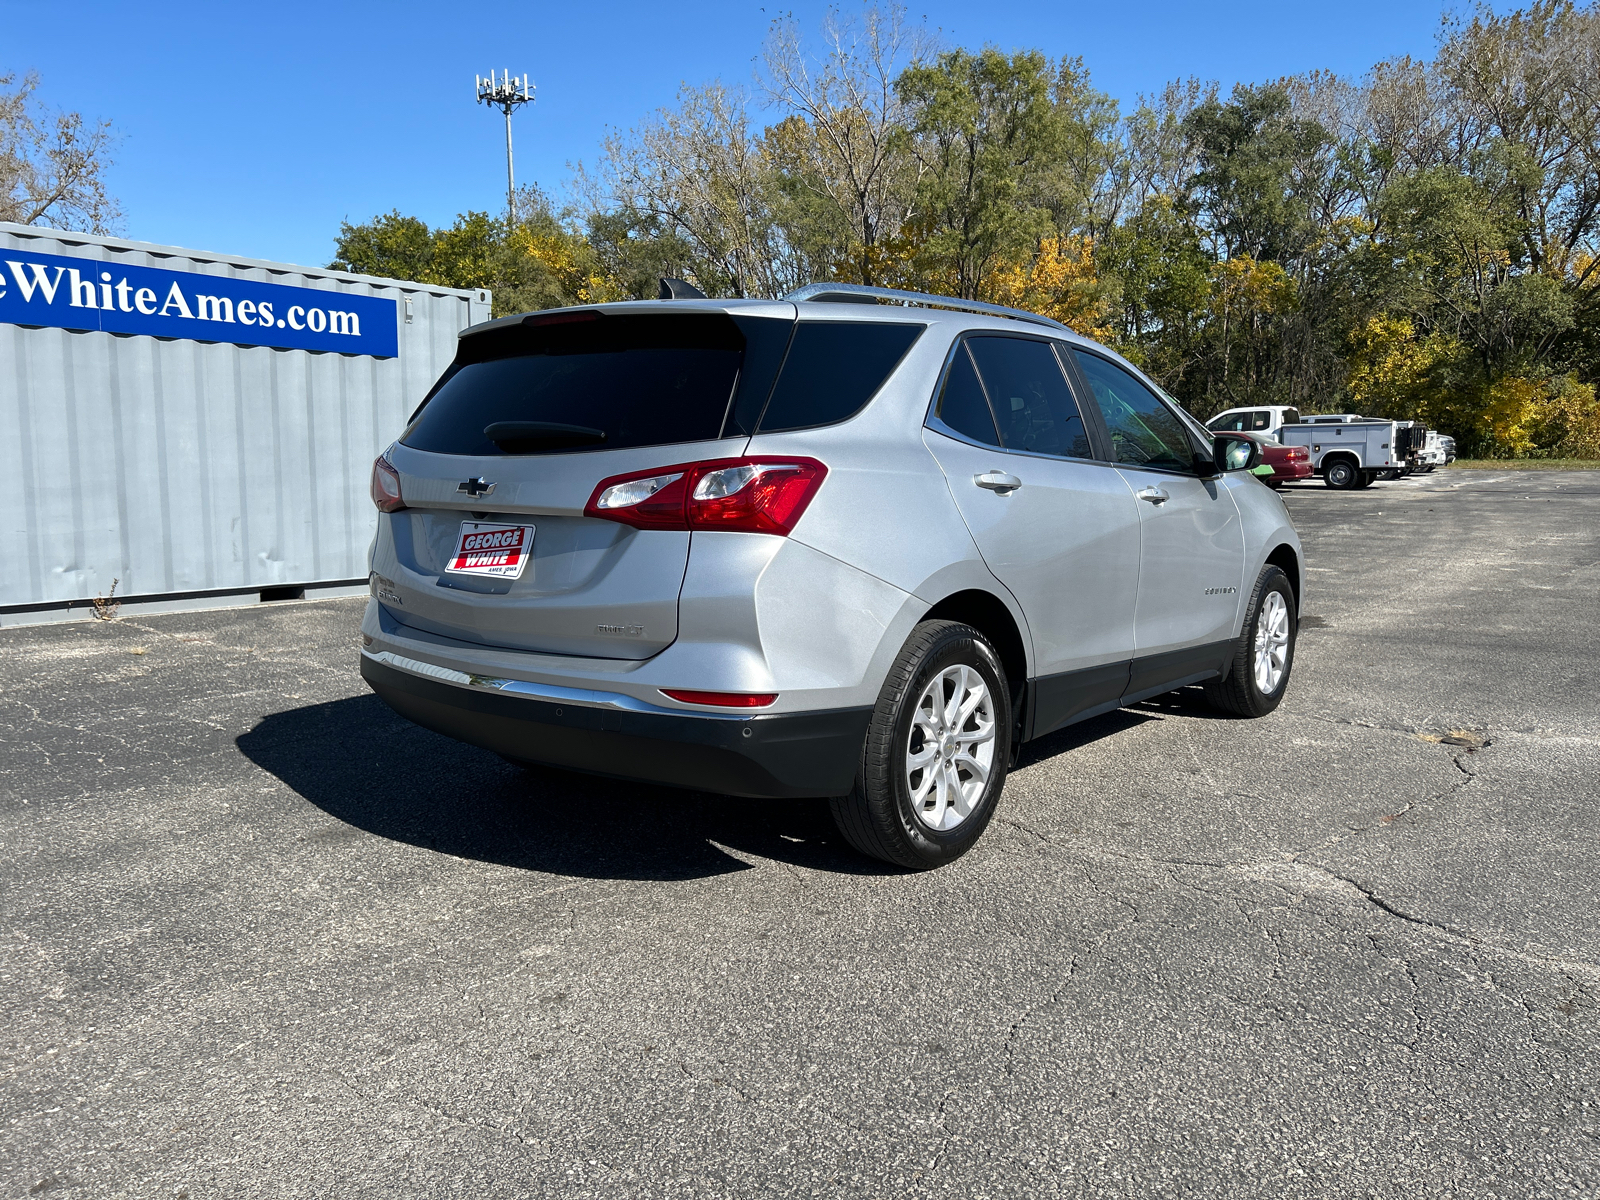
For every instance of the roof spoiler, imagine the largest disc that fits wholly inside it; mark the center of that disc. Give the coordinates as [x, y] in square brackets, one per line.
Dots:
[855, 293]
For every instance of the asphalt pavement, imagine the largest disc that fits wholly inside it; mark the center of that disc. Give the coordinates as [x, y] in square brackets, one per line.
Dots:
[261, 937]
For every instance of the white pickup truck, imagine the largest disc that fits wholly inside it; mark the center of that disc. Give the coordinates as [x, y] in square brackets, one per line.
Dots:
[1265, 420]
[1350, 451]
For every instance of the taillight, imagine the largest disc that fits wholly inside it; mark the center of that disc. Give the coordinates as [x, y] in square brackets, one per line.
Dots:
[1298, 452]
[754, 495]
[386, 486]
[722, 699]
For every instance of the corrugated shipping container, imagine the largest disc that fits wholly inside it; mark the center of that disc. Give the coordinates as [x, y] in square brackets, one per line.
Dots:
[191, 464]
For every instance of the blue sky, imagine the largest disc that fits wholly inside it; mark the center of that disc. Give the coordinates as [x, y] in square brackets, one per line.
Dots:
[254, 129]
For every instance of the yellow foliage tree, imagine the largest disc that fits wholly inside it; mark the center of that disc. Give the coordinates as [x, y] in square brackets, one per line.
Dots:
[1244, 291]
[1058, 281]
[1511, 416]
[1546, 417]
[571, 261]
[1389, 366]
[1568, 419]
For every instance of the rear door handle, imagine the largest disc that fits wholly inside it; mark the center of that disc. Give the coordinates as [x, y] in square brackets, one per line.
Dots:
[1154, 495]
[997, 481]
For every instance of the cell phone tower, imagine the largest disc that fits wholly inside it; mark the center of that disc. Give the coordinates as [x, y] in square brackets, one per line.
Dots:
[507, 93]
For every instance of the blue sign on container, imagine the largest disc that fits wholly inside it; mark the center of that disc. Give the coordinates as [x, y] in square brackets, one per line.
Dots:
[113, 297]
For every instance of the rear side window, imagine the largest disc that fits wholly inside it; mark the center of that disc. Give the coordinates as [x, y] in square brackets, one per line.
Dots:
[962, 406]
[833, 369]
[1029, 395]
[1261, 418]
[604, 382]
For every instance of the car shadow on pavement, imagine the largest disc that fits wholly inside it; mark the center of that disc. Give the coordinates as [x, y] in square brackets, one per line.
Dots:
[362, 764]
[1081, 734]
[1187, 702]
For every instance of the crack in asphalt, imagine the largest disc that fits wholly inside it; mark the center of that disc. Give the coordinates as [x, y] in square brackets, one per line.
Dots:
[1273, 871]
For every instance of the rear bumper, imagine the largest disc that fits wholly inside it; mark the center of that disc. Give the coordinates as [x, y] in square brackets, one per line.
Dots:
[773, 756]
[1298, 470]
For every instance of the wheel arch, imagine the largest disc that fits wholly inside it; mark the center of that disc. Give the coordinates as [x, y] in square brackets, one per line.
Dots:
[988, 614]
[1284, 557]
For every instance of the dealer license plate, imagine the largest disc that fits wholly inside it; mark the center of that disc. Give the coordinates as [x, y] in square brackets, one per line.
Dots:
[490, 549]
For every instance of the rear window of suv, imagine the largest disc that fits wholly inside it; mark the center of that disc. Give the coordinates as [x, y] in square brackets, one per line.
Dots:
[651, 380]
[638, 381]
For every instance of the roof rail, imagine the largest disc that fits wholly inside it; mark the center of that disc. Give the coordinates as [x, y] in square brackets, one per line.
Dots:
[855, 293]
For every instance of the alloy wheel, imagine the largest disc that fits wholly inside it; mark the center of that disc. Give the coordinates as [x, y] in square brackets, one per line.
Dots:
[1272, 643]
[951, 746]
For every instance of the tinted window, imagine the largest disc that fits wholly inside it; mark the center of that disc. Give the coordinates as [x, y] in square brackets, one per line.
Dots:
[1291, 416]
[1029, 395]
[833, 369]
[1144, 431]
[1260, 419]
[961, 402]
[766, 341]
[1228, 423]
[642, 381]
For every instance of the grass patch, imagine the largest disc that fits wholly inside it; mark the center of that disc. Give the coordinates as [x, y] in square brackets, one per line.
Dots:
[1526, 464]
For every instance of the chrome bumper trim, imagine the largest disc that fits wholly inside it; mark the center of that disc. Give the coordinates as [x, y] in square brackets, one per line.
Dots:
[553, 693]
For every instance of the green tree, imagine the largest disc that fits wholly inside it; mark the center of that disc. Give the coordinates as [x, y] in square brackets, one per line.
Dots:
[538, 263]
[985, 135]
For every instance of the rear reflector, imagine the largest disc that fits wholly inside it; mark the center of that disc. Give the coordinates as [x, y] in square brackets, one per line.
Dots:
[753, 495]
[722, 699]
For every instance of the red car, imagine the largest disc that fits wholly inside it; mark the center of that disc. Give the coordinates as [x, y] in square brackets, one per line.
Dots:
[1287, 462]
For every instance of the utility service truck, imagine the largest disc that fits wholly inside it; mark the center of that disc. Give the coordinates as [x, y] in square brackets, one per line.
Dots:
[1350, 451]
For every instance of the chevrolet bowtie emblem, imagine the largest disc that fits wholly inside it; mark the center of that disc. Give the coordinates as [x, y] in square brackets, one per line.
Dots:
[475, 487]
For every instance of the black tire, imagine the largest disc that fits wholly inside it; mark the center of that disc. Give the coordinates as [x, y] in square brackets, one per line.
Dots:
[1341, 474]
[1238, 692]
[878, 817]
[1368, 478]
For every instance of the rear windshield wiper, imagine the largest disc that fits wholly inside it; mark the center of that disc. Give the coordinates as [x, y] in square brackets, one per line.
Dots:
[526, 437]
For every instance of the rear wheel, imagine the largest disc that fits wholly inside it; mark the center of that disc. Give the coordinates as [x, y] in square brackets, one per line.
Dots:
[1341, 473]
[1259, 674]
[936, 751]
[1368, 478]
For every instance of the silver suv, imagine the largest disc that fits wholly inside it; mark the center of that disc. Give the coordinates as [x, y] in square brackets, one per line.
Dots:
[857, 543]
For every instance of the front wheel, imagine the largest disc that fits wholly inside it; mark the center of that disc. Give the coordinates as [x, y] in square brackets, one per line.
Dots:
[936, 751]
[1259, 674]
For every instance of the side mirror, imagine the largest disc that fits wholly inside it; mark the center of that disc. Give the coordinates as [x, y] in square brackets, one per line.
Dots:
[1235, 453]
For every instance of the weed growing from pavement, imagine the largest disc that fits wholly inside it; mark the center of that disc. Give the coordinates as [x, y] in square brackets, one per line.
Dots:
[105, 607]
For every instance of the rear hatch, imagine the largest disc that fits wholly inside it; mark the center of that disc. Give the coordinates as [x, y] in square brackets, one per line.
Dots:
[508, 448]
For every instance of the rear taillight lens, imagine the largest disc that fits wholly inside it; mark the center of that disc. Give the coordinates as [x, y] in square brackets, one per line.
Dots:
[1299, 452]
[722, 699]
[753, 495]
[386, 486]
